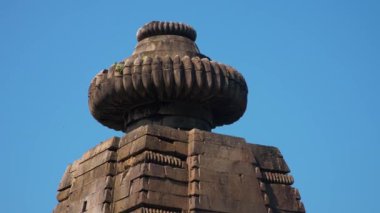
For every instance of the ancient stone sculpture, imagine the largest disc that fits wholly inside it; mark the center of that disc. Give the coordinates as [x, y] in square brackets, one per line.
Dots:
[166, 97]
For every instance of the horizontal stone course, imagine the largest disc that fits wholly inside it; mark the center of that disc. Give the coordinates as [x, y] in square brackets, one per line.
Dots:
[151, 143]
[110, 144]
[101, 158]
[162, 132]
[220, 165]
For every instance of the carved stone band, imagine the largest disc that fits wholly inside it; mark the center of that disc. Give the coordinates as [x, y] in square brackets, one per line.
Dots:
[166, 28]
[219, 90]
[280, 178]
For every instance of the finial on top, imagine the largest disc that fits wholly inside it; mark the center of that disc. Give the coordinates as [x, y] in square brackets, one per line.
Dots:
[154, 28]
[167, 81]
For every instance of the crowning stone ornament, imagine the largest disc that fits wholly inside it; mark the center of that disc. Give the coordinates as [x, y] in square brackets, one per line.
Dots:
[167, 81]
[167, 96]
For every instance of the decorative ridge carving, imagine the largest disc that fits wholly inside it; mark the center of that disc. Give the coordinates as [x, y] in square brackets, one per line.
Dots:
[279, 178]
[166, 28]
[269, 179]
[127, 85]
[163, 159]
[156, 210]
[167, 81]
[154, 157]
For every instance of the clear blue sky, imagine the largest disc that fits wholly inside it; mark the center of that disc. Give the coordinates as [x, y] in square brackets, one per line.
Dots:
[312, 69]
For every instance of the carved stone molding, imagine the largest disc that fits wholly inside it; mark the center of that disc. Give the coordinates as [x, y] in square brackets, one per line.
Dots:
[166, 28]
[280, 178]
[167, 81]
[187, 87]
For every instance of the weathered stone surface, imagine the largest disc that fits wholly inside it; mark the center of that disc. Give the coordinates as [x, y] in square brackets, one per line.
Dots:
[194, 171]
[269, 158]
[90, 182]
[215, 139]
[167, 81]
[66, 179]
[63, 195]
[110, 144]
[221, 152]
[105, 170]
[220, 165]
[88, 165]
[126, 204]
[221, 176]
[151, 143]
[162, 132]
[151, 198]
[79, 192]
[165, 96]
[284, 198]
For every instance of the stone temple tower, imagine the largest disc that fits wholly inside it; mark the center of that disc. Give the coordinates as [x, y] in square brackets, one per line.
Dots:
[166, 97]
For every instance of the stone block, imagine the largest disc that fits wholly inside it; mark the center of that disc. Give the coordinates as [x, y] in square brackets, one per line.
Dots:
[165, 186]
[204, 203]
[133, 200]
[122, 187]
[99, 208]
[66, 179]
[165, 133]
[156, 170]
[63, 195]
[220, 165]
[226, 192]
[154, 173]
[177, 174]
[167, 200]
[110, 144]
[95, 186]
[124, 180]
[283, 197]
[269, 158]
[102, 171]
[220, 151]
[133, 135]
[180, 148]
[217, 139]
[207, 175]
[92, 163]
[132, 147]
[90, 201]
[233, 187]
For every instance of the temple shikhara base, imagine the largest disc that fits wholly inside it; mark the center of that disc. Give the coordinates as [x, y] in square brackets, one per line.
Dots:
[167, 97]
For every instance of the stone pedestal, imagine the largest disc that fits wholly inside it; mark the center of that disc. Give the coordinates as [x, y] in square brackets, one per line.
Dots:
[158, 169]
